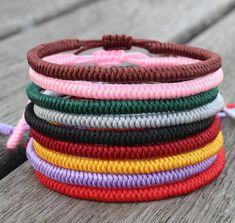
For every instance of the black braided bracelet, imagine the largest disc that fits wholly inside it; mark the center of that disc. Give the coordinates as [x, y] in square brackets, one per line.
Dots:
[86, 106]
[118, 138]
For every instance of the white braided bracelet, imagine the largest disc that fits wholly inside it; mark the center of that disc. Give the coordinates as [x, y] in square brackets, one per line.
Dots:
[141, 120]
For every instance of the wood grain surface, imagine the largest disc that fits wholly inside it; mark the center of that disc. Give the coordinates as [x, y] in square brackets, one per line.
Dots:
[23, 199]
[91, 21]
[18, 16]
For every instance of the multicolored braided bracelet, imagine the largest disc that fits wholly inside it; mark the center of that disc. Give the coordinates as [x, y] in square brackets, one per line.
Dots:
[131, 152]
[138, 194]
[113, 180]
[114, 137]
[99, 90]
[84, 106]
[132, 121]
[209, 61]
[129, 166]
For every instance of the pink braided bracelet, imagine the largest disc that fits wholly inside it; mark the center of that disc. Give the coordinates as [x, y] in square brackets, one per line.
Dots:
[85, 89]
[117, 57]
[98, 90]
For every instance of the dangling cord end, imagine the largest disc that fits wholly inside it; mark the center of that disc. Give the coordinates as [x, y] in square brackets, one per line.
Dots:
[6, 129]
[17, 134]
[228, 111]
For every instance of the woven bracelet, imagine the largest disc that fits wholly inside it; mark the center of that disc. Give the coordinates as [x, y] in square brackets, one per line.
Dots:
[100, 90]
[119, 138]
[113, 180]
[118, 57]
[141, 194]
[209, 61]
[129, 166]
[132, 121]
[98, 107]
[134, 152]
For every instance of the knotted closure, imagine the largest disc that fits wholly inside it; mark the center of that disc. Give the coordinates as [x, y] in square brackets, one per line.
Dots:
[111, 42]
[209, 62]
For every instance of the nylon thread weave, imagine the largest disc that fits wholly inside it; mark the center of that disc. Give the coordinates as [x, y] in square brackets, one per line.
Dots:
[83, 106]
[114, 180]
[117, 57]
[97, 90]
[210, 62]
[125, 138]
[132, 152]
[126, 166]
[139, 194]
[119, 126]
[144, 120]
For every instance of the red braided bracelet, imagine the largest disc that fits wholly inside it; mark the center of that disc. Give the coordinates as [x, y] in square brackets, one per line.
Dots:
[144, 194]
[209, 61]
[131, 152]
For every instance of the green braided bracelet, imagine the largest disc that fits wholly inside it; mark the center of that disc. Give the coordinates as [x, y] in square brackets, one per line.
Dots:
[84, 106]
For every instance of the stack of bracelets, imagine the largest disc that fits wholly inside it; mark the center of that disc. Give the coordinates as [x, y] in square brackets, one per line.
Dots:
[120, 126]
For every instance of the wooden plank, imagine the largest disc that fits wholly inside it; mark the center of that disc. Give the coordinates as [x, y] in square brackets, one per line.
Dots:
[23, 199]
[83, 23]
[10, 159]
[16, 19]
[17, 16]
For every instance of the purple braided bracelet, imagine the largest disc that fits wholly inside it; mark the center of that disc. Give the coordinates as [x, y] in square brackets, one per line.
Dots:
[113, 180]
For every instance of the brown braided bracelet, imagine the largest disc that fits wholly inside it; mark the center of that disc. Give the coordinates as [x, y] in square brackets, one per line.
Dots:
[209, 61]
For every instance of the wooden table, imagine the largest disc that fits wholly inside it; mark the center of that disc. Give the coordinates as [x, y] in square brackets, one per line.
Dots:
[24, 24]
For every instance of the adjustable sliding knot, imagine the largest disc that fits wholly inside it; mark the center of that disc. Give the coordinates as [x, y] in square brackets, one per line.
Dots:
[112, 57]
[111, 42]
[154, 47]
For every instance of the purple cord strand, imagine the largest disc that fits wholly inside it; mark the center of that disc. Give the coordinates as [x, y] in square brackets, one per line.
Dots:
[113, 180]
[6, 129]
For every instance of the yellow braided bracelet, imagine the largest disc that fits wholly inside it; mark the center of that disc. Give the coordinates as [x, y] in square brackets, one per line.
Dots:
[129, 166]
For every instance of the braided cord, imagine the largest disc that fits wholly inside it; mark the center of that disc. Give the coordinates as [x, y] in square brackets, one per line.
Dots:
[113, 180]
[117, 57]
[6, 129]
[127, 166]
[114, 137]
[98, 107]
[208, 61]
[108, 131]
[99, 90]
[131, 152]
[132, 121]
[138, 194]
